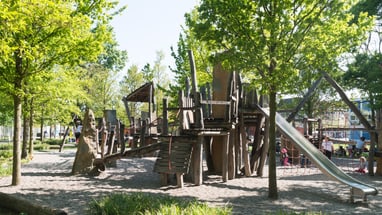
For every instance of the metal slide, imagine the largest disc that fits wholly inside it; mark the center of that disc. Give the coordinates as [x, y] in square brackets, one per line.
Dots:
[358, 188]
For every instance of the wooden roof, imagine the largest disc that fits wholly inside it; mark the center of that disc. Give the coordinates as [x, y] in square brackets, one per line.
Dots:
[142, 94]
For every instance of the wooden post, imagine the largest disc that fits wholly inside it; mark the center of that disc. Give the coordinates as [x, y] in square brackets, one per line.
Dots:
[165, 117]
[122, 136]
[193, 73]
[197, 161]
[225, 145]
[304, 99]
[238, 150]
[64, 139]
[244, 143]
[179, 180]
[264, 149]
[231, 155]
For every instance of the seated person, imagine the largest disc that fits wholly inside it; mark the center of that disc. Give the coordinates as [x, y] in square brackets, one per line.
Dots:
[340, 151]
[362, 165]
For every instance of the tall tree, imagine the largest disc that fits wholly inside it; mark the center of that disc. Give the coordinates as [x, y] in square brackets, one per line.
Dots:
[37, 35]
[130, 82]
[363, 73]
[101, 85]
[270, 40]
[202, 53]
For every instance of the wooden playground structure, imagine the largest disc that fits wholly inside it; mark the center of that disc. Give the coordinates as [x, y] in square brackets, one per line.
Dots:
[222, 126]
[212, 123]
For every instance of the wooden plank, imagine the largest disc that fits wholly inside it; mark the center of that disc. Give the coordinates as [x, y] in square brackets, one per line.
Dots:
[129, 153]
[197, 158]
[215, 102]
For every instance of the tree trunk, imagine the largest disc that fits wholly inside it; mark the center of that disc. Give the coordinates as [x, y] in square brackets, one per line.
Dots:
[272, 148]
[24, 152]
[16, 171]
[31, 113]
[42, 125]
[379, 140]
[26, 130]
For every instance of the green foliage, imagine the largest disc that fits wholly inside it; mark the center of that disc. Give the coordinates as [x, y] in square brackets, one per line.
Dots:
[5, 168]
[274, 39]
[53, 142]
[5, 159]
[202, 57]
[272, 42]
[150, 73]
[372, 7]
[365, 74]
[41, 147]
[6, 110]
[140, 203]
[5, 146]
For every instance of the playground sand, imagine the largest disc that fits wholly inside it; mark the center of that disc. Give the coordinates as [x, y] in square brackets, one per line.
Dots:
[47, 180]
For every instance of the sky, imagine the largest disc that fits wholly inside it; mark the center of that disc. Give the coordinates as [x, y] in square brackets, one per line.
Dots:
[148, 26]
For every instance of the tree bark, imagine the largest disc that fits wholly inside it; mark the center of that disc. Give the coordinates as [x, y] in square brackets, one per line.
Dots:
[272, 148]
[16, 171]
[31, 113]
[24, 152]
[42, 125]
[26, 130]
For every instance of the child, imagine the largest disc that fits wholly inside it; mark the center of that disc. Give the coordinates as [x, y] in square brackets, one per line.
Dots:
[362, 165]
[284, 157]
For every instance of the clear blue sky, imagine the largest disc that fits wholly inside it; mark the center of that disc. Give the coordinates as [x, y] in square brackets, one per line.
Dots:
[148, 26]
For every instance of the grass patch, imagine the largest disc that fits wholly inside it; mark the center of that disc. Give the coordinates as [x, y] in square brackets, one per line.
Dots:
[145, 204]
[6, 159]
[6, 153]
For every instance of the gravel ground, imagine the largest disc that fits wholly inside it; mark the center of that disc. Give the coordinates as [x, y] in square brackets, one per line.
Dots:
[47, 180]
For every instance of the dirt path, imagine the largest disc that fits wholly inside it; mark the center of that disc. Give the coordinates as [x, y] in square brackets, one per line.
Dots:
[47, 180]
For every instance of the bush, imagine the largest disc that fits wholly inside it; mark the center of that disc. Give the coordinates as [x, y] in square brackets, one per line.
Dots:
[5, 168]
[6, 146]
[53, 141]
[41, 147]
[139, 203]
[4, 154]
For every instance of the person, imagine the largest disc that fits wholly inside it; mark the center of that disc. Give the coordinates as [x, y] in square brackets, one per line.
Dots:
[350, 150]
[327, 147]
[278, 146]
[304, 161]
[359, 146]
[340, 152]
[284, 157]
[362, 165]
[77, 133]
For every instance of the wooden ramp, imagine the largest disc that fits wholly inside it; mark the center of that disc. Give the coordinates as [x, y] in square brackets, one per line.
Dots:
[174, 158]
